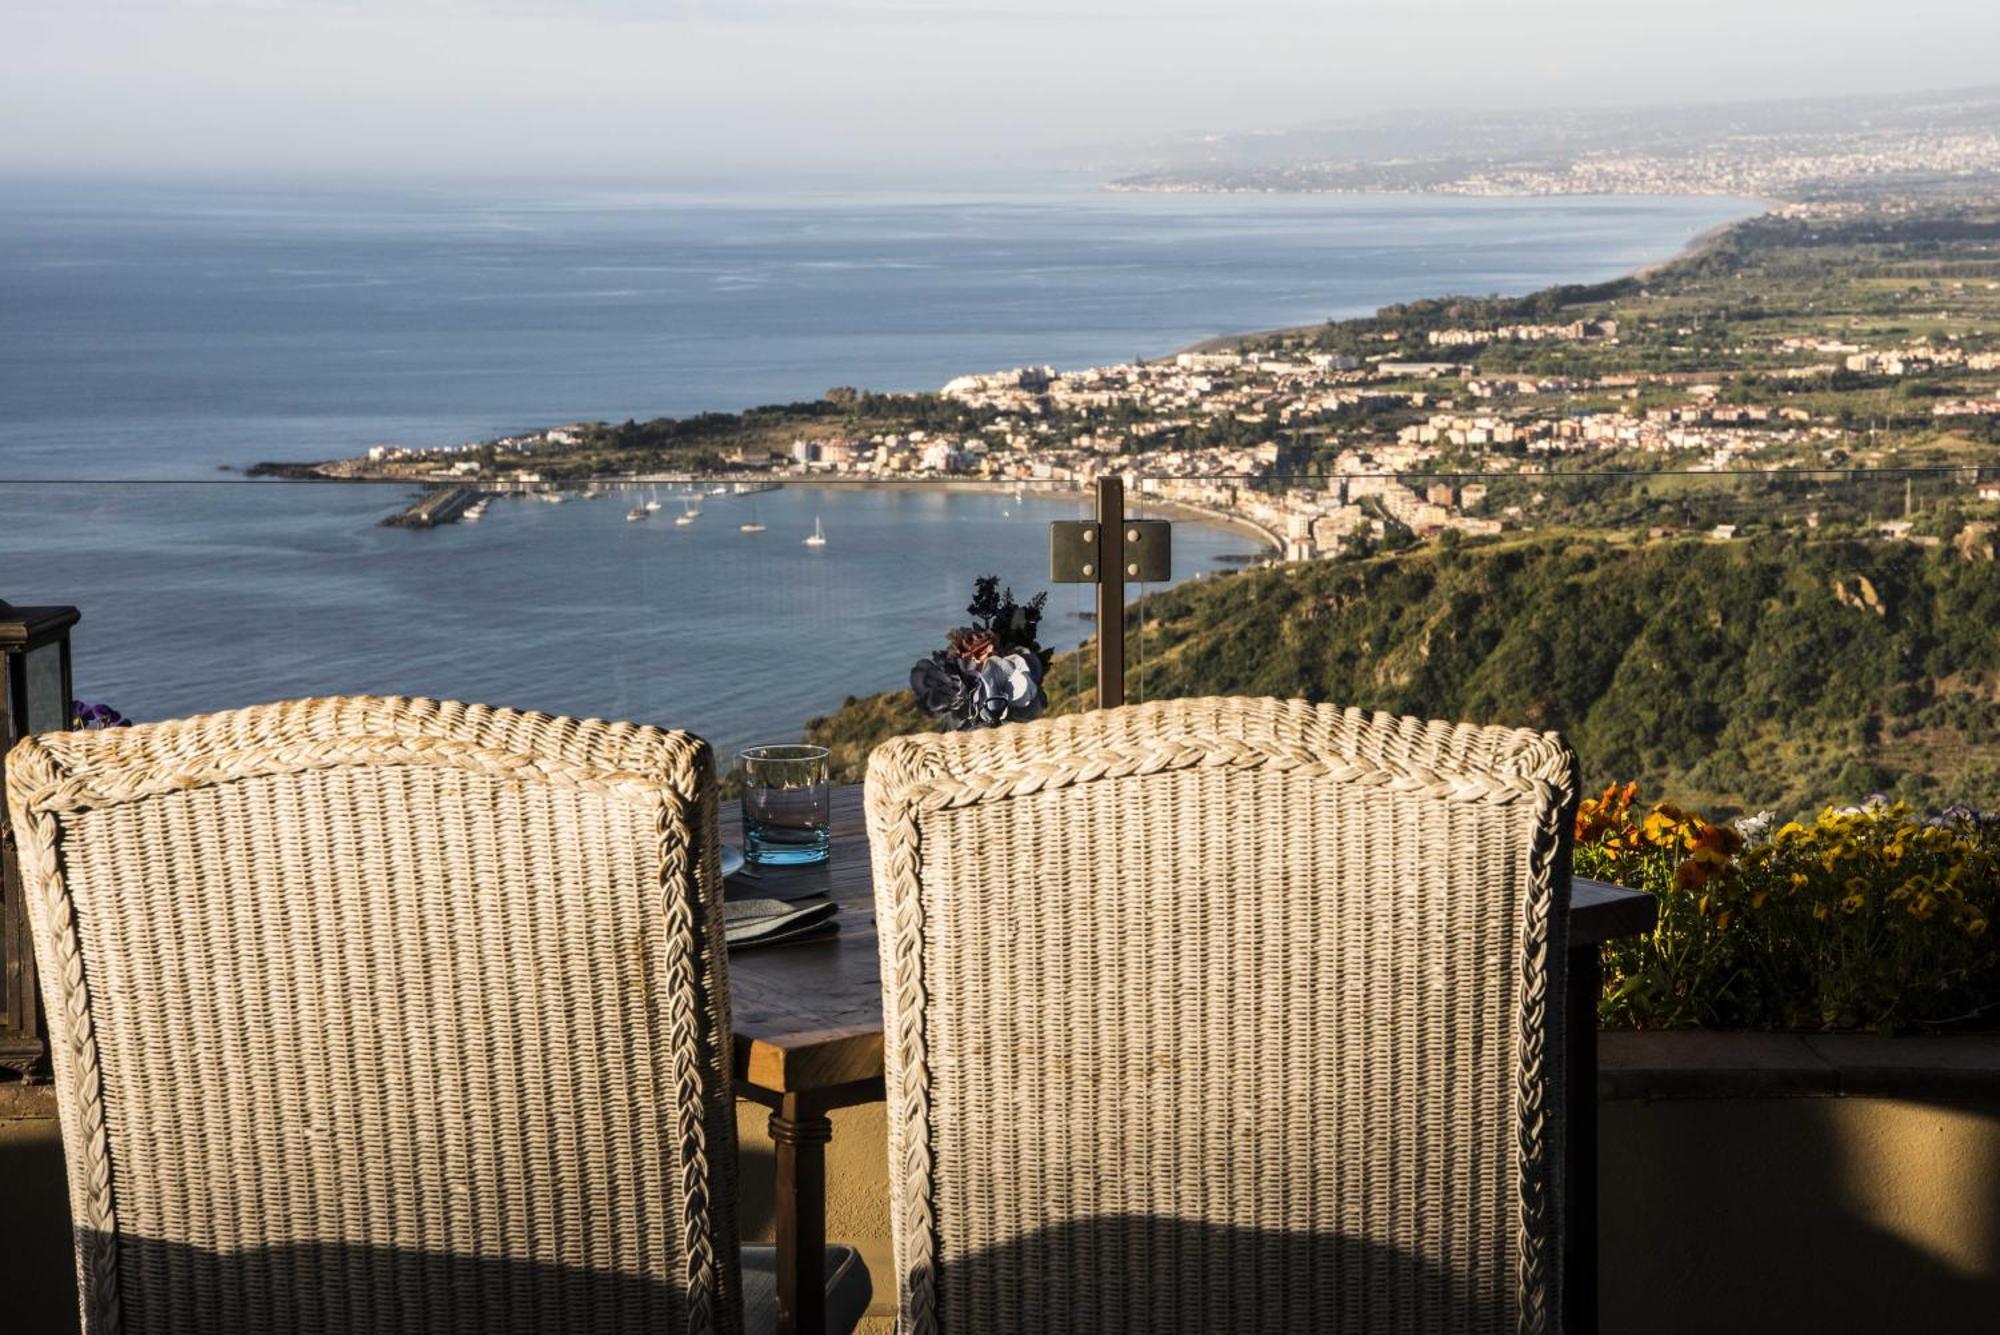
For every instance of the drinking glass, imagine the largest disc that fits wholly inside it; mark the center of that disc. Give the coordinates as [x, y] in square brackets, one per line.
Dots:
[786, 805]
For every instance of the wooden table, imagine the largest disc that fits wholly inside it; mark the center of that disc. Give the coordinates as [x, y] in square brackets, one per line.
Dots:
[809, 1040]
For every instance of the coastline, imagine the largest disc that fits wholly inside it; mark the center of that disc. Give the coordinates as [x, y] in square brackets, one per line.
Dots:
[1701, 241]
[1140, 503]
[1267, 540]
[1706, 239]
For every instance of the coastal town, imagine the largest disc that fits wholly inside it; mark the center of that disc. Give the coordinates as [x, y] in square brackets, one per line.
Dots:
[1327, 451]
[1852, 149]
[1467, 417]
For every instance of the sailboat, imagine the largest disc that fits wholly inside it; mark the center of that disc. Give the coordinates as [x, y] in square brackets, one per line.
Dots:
[751, 525]
[653, 501]
[635, 514]
[689, 512]
[818, 538]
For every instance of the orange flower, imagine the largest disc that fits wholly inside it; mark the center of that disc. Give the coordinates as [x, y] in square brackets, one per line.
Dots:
[1719, 840]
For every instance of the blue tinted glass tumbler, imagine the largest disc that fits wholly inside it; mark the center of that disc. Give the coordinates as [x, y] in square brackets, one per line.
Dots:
[786, 805]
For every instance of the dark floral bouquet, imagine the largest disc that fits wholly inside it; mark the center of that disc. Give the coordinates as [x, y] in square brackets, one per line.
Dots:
[83, 717]
[990, 672]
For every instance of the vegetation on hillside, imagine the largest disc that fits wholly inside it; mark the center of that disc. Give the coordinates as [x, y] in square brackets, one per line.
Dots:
[1779, 673]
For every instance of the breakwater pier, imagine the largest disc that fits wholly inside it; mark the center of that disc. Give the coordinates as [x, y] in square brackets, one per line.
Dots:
[443, 506]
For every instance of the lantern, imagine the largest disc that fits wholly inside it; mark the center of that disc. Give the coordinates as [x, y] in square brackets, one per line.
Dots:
[34, 697]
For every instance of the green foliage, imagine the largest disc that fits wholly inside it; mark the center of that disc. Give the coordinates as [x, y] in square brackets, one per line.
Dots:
[1736, 676]
[862, 724]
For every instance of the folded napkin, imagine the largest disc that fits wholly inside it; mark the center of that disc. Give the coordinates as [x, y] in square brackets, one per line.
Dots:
[768, 922]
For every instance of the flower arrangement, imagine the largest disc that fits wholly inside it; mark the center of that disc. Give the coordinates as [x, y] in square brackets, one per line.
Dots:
[1867, 917]
[89, 718]
[991, 671]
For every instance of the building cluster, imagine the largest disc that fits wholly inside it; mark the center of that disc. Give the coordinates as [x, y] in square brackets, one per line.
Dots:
[1068, 428]
[1768, 165]
[466, 459]
[1967, 408]
[1574, 332]
[1918, 358]
[1234, 433]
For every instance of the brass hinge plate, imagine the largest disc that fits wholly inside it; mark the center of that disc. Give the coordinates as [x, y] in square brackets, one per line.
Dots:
[1149, 551]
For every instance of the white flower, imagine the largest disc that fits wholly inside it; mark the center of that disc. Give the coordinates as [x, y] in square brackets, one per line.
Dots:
[1005, 688]
[1755, 829]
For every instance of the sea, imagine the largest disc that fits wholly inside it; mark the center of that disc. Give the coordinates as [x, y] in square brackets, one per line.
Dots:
[156, 339]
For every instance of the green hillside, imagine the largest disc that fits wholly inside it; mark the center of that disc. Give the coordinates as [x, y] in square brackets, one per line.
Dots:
[1776, 672]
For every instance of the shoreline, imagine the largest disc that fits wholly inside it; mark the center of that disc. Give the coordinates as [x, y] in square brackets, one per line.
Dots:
[1701, 242]
[1137, 503]
[1269, 544]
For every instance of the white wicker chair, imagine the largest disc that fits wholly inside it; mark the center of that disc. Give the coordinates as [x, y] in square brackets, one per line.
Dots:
[1224, 1015]
[390, 1015]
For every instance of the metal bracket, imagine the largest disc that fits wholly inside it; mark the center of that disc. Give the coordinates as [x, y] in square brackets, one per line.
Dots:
[1073, 551]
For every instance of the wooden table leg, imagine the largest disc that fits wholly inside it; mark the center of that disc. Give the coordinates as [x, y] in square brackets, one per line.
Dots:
[1586, 983]
[800, 1131]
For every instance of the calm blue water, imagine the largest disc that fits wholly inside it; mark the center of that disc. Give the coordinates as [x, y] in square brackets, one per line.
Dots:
[151, 335]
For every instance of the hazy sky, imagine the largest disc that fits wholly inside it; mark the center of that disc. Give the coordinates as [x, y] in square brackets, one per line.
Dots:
[553, 88]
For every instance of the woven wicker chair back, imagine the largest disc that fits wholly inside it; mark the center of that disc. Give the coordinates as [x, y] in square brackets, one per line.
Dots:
[1224, 1015]
[386, 1015]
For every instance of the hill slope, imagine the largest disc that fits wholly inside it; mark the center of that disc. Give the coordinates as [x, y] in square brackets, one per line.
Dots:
[1773, 673]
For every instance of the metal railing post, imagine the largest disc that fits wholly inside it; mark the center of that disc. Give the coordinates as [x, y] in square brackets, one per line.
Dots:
[1110, 592]
[1107, 551]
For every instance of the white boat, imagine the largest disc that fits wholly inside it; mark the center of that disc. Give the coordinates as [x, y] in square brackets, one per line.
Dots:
[689, 513]
[818, 538]
[653, 501]
[474, 512]
[752, 524]
[718, 490]
[635, 514]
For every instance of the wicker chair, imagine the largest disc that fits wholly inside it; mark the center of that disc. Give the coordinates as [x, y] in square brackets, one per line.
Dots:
[391, 1015]
[1224, 1015]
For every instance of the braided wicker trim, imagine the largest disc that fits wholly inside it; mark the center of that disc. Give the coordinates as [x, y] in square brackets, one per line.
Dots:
[692, 936]
[73, 1042]
[84, 792]
[910, 777]
[61, 774]
[1537, 1106]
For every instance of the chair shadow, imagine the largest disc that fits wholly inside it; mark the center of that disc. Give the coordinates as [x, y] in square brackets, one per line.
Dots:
[42, 1297]
[1751, 1215]
[40, 1265]
[1155, 1274]
[283, 1289]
